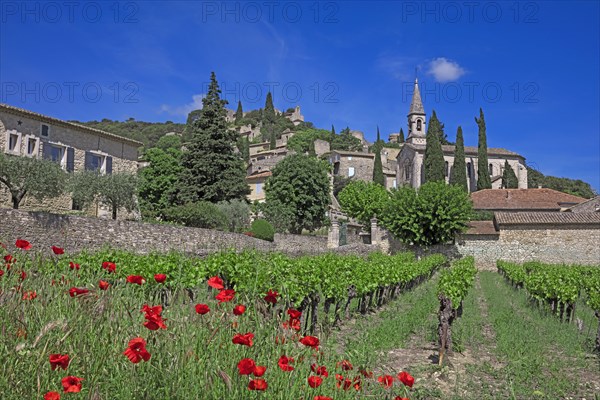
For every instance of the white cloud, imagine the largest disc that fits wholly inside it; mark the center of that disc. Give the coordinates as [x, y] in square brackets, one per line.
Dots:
[185, 109]
[444, 70]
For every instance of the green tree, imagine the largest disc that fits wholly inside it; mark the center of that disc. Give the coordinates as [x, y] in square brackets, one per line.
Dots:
[201, 214]
[273, 141]
[301, 141]
[483, 176]
[41, 179]
[346, 142]
[169, 142]
[509, 178]
[431, 214]
[239, 113]
[300, 184]
[433, 161]
[212, 170]
[117, 190]
[158, 181]
[363, 201]
[237, 213]
[378, 176]
[458, 176]
[401, 136]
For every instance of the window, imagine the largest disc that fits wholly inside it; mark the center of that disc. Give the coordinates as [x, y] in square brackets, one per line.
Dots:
[446, 169]
[418, 124]
[350, 172]
[259, 188]
[469, 172]
[57, 153]
[32, 146]
[76, 206]
[45, 130]
[407, 171]
[96, 162]
[394, 184]
[491, 169]
[14, 142]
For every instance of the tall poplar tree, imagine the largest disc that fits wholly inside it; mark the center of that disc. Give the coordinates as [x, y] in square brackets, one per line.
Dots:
[433, 162]
[378, 176]
[211, 169]
[239, 113]
[509, 178]
[483, 176]
[268, 120]
[401, 136]
[458, 176]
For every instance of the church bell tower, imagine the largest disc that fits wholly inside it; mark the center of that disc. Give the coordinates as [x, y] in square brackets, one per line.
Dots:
[416, 118]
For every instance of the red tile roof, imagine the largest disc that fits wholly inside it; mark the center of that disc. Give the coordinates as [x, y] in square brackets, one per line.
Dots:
[481, 228]
[523, 199]
[265, 174]
[547, 218]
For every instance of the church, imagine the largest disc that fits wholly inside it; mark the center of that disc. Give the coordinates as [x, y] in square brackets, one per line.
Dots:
[409, 166]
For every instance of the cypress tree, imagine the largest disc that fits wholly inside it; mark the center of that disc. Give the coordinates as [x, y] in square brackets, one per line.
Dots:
[483, 176]
[459, 170]
[509, 178]
[378, 176]
[246, 149]
[433, 162]
[268, 120]
[239, 113]
[273, 141]
[211, 169]
[401, 136]
[332, 136]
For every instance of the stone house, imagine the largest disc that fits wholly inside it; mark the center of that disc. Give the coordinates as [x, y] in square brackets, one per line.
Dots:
[295, 116]
[350, 164]
[410, 169]
[591, 205]
[73, 146]
[256, 183]
[523, 200]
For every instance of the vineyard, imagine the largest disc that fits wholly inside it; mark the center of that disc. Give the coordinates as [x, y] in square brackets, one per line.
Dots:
[115, 325]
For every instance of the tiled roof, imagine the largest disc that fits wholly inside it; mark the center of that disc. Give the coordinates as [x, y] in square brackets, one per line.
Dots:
[481, 228]
[51, 120]
[265, 174]
[469, 150]
[522, 199]
[545, 218]
[584, 204]
[353, 153]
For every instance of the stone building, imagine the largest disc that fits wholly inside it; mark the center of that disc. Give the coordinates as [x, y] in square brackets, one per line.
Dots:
[350, 164]
[410, 159]
[74, 147]
[256, 183]
[295, 116]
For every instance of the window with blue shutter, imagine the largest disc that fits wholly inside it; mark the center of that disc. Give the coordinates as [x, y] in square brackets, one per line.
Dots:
[70, 159]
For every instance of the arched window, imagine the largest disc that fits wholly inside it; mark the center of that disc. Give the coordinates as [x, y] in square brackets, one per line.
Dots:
[446, 168]
[418, 124]
[491, 169]
[469, 171]
[407, 171]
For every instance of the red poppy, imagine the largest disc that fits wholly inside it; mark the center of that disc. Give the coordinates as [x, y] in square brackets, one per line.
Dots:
[322, 370]
[8, 259]
[28, 295]
[294, 314]
[202, 309]
[58, 250]
[259, 370]
[314, 381]
[271, 297]
[345, 364]
[160, 278]
[72, 265]
[225, 295]
[216, 282]
[239, 309]
[59, 361]
[75, 291]
[154, 322]
[401, 398]
[151, 310]
[71, 384]
[341, 381]
[406, 378]
[245, 340]
[109, 266]
[137, 279]
[366, 373]
[357, 383]
[23, 244]
[293, 323]
[22, 276]
[246, 366]
[386, 380]
[1, 273]
[136, 350]
[257, 384]
[310, 341]
[52, 396]
[103, 285]
[322, 398]
[284, 363]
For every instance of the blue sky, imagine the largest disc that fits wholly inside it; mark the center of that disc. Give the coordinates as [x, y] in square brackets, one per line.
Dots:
[534, 67]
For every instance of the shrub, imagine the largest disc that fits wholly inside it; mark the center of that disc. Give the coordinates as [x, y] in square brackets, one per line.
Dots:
[237, 213]
[198, 215]
[262, 229]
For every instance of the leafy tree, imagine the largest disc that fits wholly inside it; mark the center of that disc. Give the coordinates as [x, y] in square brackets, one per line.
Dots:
[431, 214]
[339, 183]
[401, 136]
[346, 142]
[301, 141]
[483, 176]
[237, 213]
[117, 190]
[300, 184]
[239, 113]
[364, 200]
[576, 187]
[278, 213]
[169, 142]
[22, 176]
[433, 161]
[158, 181]
[509, 178]
[212, 170]
[458, 175]
[202, 214]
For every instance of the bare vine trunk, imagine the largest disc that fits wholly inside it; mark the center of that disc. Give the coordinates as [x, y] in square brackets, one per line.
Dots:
[446, 316]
